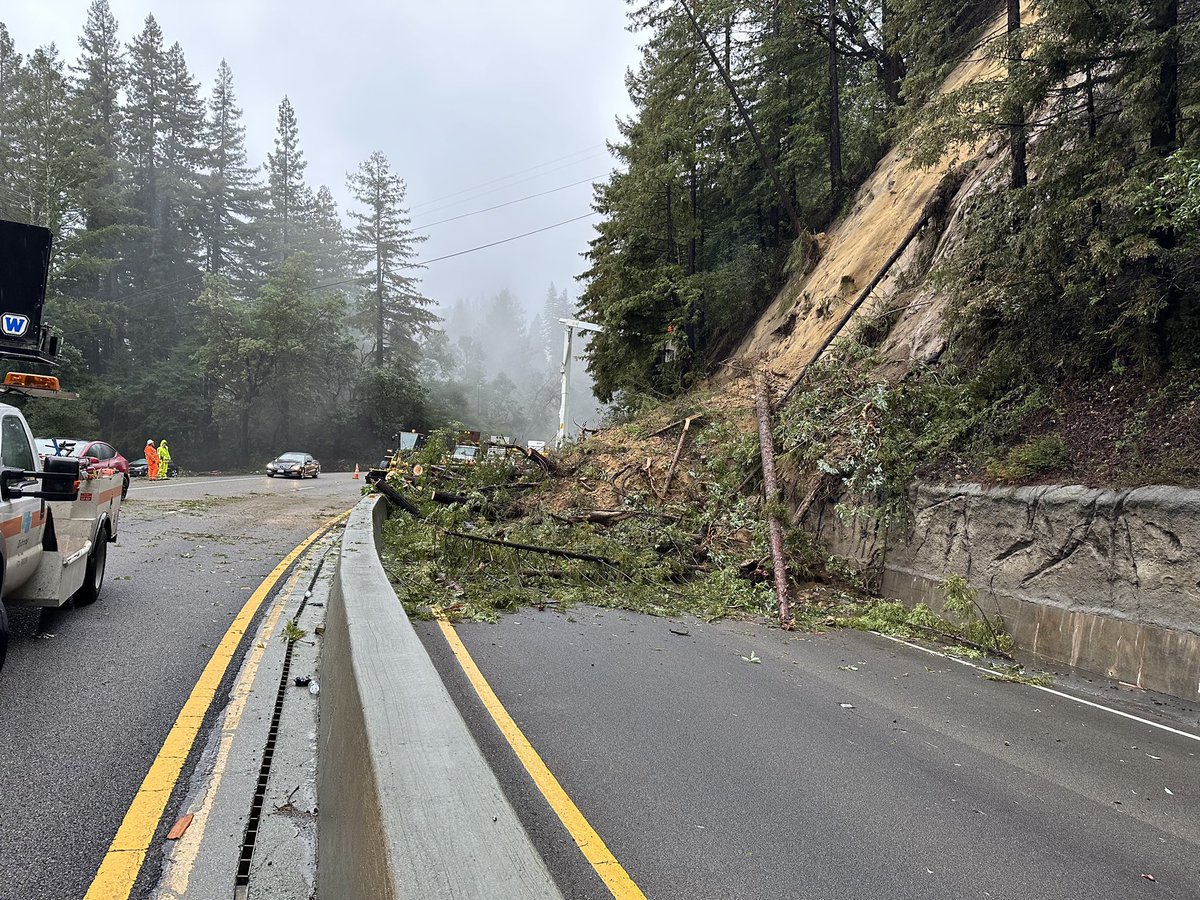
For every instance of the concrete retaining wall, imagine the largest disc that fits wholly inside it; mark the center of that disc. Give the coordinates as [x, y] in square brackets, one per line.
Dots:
[1108, 581]
[408, 807]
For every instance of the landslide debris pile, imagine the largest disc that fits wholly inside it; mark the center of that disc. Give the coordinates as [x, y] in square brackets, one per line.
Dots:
[664, 515]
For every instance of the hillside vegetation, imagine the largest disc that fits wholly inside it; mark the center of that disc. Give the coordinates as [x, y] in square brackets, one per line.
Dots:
[1004, 197]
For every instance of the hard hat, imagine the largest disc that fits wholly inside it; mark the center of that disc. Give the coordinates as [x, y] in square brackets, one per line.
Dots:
[150, 441]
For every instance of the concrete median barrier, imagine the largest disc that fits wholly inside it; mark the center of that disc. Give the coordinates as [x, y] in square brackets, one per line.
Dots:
[408, 806]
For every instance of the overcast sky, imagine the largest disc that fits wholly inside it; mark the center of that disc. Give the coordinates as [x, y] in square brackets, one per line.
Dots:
[475, 102]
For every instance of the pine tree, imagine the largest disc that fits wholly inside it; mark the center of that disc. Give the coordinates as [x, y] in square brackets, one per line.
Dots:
[291, 200]
[183, 160]
[45, 146]
[100, 78]
[143, 129]
[233, 197]
[10, 68]
[392, 309]
[326, 237]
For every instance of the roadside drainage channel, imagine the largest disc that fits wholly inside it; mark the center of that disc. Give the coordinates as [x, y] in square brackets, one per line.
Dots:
[302, 819]
[261, 758]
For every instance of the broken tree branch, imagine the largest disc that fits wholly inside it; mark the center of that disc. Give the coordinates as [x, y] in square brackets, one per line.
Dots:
[766, 441]
[551, 551]
[687, 424]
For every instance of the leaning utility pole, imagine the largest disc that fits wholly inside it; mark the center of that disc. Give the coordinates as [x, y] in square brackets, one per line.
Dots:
[570, 325]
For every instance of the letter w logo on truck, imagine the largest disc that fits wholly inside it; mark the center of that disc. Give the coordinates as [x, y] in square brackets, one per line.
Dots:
[14, 325]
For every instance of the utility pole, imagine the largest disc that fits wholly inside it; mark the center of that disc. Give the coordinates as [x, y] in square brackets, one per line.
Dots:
[570, 325]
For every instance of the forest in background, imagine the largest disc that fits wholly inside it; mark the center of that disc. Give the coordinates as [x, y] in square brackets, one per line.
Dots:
[229, 305]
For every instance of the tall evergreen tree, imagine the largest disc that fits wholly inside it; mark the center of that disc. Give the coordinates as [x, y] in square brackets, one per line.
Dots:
[392, 309]
[233, 197]
[46, 146]
[100, 79]
[10, 68]
[291, 199]
[144, 125]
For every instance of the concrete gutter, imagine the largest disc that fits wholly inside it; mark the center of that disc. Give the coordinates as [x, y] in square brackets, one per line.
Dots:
[409, 808]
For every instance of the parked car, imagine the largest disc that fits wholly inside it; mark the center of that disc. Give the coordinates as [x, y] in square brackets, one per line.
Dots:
[294, 465]
[139, 468]
[464, 455]
[92, 455]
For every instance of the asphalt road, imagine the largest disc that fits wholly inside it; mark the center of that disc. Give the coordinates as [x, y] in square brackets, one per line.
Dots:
[840, 765]
[87, 695]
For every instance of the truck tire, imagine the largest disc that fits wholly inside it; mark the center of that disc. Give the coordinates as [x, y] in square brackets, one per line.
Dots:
[3, 634]
[93, 579]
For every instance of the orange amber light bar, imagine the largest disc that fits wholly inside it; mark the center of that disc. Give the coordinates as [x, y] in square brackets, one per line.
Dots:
[25, 380]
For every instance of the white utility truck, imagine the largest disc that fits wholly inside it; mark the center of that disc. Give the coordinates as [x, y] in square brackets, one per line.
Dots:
[55, 522]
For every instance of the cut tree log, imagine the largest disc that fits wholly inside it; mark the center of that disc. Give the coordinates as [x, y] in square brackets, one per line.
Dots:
[766, 441]
[394, 496]
[533, 548]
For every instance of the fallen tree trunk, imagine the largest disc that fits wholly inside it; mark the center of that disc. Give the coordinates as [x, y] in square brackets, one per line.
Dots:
[394, 496]
[533, 548]
[766, 441]
[446, 498]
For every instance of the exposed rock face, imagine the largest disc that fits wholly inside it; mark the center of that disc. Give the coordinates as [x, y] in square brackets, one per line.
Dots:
[1105, 580]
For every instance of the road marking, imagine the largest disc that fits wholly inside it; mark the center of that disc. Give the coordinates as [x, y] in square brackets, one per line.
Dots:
[589, 842]
[121, 864]
[179, 871]
[1101, 706]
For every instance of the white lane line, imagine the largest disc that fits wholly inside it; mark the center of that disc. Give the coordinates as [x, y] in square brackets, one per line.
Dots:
[1101, 706]
[149, 487]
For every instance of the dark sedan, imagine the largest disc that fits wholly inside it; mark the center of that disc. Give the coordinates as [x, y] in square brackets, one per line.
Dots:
[294, 465]
[139, 468]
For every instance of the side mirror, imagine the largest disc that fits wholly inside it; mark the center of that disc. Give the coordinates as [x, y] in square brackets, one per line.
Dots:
[60, 480]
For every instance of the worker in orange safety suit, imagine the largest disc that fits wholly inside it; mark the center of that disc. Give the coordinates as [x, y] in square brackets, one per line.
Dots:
[151, 461]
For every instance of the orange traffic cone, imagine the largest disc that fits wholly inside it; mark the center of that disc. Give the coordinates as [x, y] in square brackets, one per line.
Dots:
[356, 470]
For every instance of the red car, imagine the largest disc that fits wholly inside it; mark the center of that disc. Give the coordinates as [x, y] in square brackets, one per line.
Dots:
[92, 455]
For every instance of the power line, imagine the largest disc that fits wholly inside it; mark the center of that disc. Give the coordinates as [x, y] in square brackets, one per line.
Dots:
[509, 203]
[515, 237]
[504, 187]
[590, 151]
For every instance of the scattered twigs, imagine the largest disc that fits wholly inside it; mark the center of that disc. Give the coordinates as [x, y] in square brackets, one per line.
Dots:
[766, 442]
[550, 551]
[687, 424]
[609, 516]
[650, 478]
[949, 637]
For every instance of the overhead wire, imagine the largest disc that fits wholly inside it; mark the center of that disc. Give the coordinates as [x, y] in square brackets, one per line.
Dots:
[477, 212]
[504, 187]
[515, 237]
[589, 151]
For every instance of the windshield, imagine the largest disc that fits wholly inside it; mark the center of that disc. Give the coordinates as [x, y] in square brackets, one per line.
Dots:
[292, 457]
[56, 446]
